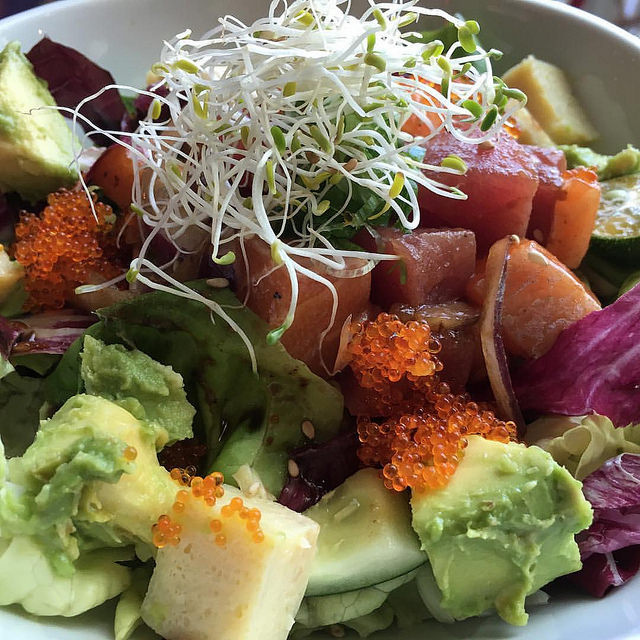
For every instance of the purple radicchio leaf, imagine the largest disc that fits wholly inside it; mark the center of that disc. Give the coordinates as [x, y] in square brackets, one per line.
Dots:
[72, 77]
[594, 366]
[9, 335]
[321, 467]
[603, 571]
[614, 493]
[610, 547]
[45, 333]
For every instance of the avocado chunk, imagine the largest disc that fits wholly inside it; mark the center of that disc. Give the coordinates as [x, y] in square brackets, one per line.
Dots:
[359, 521]
[623, 163]
[119, 509]
[150, 391]
[222, 584]
[502, 528]
[35, 144]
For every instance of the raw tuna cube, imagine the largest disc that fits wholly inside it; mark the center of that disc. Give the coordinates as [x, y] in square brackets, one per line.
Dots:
[501, 182]
[434, 265]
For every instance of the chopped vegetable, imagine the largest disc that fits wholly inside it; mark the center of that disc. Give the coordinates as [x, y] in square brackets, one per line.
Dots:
[493, 350]
[609, 547]
[616, 236]
[72, 77]
[582, 444]
[319, 468]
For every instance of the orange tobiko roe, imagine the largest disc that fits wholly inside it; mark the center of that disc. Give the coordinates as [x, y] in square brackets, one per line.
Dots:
[63, 247]
[421, 443]
[166, 531]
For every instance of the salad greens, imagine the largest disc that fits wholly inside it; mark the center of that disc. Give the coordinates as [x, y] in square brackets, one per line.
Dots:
[582, 444]
[311, 152]
[29, 580]
[609, 547]
[256, 427]
[20, 400]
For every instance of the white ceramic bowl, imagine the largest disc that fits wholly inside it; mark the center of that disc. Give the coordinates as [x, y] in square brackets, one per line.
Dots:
[604, 65]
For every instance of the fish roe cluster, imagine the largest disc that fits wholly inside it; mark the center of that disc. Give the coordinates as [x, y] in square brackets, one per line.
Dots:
[422, 450]
[422, 441]
[250, 516]
[63, 247]
[208, 489]
[394, 359]
[166, 532]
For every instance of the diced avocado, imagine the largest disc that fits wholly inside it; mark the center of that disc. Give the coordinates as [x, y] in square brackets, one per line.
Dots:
[204, 588]
[126, 509]
[551, 101]
[150, 391]
[621, 164]
[359, 521]
[35, 144]
[502, 528]
[11, 272]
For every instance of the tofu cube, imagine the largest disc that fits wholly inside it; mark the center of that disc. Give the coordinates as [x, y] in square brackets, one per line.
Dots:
[551, 101]
[229, 579]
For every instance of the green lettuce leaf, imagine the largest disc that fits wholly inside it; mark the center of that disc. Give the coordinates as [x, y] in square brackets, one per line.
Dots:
[150, 391]
[27, 578]
[20, 400]
[377, 620]
[408, 606]
[582, 444]
[363, 610]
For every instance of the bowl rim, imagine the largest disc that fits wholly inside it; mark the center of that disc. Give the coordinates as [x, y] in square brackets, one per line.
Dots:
[551, 7]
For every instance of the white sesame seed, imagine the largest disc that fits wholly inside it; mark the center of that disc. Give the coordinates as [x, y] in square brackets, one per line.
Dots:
[308, 429]
[294, 470]
[218, 283]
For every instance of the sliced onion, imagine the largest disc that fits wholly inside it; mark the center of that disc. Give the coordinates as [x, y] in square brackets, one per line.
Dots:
[356, 272]
[495, 356]
[343, 357]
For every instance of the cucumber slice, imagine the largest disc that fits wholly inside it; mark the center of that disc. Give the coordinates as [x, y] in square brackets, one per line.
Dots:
[365, 536]
[616, 235]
